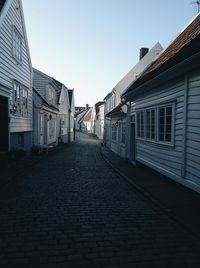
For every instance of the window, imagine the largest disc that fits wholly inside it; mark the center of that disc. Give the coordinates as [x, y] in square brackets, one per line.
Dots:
[150, 124]
[113, 98]
[156, 124]
[123, 133]
[20, 99]
[165, 124]
[17, 45]
[114, 132]
[52, 99]
[140, 124]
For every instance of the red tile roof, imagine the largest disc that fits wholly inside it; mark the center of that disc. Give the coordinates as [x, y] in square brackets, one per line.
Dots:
[184, 38]
[186, 44]
[88, 116]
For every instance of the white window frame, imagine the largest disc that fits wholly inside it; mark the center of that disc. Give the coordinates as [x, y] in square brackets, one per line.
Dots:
[157, 123]
[172, 105]
[150, 124]
[16, 45]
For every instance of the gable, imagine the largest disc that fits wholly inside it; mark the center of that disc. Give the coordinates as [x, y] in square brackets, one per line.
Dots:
[12, 22]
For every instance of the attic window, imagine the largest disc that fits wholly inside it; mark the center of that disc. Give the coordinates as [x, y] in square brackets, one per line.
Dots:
[16, 45]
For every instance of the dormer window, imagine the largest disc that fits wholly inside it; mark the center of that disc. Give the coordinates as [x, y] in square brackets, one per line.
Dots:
[17, 45]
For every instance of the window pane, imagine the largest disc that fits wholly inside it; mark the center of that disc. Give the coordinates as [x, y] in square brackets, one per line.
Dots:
[138, 124]
[165, 123]
[168, 137]
[142, 124]
[153, 124]
[148, 124]
[161, 124]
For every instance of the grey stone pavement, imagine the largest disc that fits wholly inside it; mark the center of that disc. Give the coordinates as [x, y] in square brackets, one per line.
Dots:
[73, 210]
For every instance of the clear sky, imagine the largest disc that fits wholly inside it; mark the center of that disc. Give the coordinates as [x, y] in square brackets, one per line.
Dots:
[89, 45]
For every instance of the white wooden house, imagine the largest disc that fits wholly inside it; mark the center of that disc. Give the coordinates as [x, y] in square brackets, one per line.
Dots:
[15, 79]
[71, 128]
[44, 121]
[79, 113]
[99, 119]
[66, 113]
[116, 109]
[165, 110]
[87, 121]
[46, 113]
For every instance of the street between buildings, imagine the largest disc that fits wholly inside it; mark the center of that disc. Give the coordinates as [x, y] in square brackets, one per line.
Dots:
[73, 210]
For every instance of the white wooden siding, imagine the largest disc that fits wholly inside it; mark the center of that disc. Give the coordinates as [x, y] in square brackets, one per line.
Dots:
[10, 69]
[160, 155]
[192, 168]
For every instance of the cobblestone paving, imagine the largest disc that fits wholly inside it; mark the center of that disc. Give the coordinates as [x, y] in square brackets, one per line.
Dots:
[74, 211]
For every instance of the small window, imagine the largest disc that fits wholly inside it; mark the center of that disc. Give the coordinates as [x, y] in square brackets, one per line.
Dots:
[17, 45]
[165, 124]
[140, 124]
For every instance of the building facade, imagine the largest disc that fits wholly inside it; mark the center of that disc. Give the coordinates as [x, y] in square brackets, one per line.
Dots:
[116, 131]
[15, 79]
[165, 108]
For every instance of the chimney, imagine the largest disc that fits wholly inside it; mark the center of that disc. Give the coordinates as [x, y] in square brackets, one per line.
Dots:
[87, 106]
[143, 52]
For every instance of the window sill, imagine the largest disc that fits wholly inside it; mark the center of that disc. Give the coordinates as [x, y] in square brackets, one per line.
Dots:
[159, 143]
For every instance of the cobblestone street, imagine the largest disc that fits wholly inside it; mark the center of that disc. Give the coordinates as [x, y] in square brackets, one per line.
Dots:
[73, 210]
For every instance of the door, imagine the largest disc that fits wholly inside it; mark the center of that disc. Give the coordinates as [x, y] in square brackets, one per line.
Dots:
[4, 124]
[132, 139]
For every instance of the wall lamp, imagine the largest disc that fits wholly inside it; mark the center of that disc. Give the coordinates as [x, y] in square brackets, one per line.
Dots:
[13, 110]
[50, 117]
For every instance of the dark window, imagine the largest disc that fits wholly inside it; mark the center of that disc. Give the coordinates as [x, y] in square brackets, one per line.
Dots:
[140, 124]
[165, 124]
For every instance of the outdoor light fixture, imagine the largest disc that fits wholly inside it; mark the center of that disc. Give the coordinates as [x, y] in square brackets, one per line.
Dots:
[50, 117]
[13, 110]
[116, 124]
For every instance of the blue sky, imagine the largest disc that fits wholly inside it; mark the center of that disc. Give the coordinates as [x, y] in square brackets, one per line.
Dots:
[89, 45]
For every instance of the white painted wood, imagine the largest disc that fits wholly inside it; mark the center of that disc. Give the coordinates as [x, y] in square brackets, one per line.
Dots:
[10, 69]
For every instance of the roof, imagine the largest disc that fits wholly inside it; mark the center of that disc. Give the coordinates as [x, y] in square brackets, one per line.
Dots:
[184, 45]
[44, 101]
[87, 117]
[185, 38]
[117, 110]
[2, 2]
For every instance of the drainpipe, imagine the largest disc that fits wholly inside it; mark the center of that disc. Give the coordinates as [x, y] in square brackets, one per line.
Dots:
[184, 127]
[69, 126]
[128, 104]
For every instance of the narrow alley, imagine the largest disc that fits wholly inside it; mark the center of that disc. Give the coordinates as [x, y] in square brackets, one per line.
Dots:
[73, 210]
